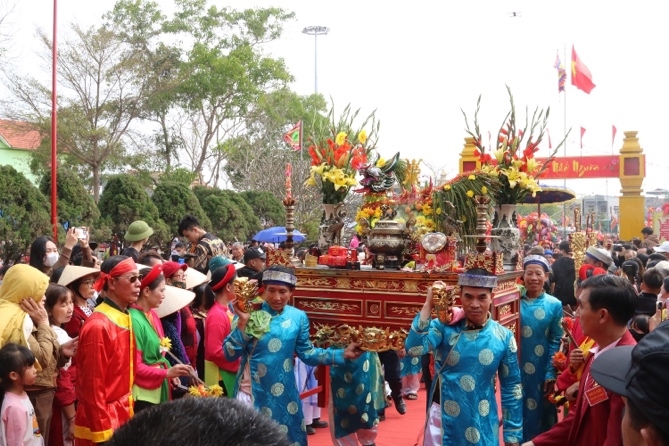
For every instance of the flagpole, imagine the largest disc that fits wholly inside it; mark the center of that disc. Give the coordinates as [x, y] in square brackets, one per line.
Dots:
[564, 148]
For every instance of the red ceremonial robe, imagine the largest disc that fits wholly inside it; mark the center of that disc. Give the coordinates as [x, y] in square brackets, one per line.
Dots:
[105, 374]
[589, 425]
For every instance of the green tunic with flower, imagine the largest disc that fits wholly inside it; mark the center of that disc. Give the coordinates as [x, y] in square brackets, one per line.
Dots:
[466, 363]
[270, 359]
[540, 331]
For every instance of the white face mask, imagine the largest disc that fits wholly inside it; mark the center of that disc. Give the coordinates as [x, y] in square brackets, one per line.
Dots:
[51, 259]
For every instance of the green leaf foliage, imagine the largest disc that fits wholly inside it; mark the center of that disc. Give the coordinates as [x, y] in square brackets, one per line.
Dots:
[231, 217]
[264, 205]
[176, 200]
[75, 203]
[24, 213]
[124, 200]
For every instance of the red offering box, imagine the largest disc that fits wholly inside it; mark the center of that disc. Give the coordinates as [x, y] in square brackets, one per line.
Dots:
[337, 261]
[337, 251]
[324, 259]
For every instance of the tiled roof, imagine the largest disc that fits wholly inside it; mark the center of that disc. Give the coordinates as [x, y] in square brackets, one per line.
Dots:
[20, 135]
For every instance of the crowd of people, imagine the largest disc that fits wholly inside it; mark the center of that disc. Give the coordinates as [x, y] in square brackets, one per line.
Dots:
[103, 353]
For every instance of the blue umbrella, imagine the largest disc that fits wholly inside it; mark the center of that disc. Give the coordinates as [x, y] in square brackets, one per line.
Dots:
[277, 234]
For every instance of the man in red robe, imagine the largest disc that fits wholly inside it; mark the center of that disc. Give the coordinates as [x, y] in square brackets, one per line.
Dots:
[105, 356]
[605, 305]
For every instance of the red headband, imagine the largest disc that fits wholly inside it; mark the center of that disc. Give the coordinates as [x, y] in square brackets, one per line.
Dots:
[121, 268]
[155, 272]
[230, 271]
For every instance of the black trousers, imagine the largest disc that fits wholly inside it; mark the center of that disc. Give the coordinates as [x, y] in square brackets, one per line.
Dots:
[391, 367]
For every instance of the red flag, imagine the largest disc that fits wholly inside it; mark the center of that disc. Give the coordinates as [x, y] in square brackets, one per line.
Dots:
[550, 144]
[613, 134]
[294, 136]
[582, 133]
[580, 75]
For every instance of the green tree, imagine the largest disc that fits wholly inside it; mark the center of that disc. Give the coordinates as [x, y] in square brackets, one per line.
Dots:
[264, 205]
[219, 74]
[231, 217]
[123, 201]
[75, 203]
[99, 101]
[174, 201]
[261, 149]
[24, 214]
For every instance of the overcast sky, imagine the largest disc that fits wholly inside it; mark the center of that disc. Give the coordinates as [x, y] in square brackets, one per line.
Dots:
[418, 63]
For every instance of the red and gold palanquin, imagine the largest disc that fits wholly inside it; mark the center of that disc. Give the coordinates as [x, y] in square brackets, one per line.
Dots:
[388, 298]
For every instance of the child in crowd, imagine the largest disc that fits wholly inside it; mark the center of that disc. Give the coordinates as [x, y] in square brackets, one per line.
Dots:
[18, 423]
[59, 306]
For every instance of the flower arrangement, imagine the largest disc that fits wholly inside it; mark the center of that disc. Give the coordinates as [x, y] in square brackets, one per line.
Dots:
[202, 390]
[337, 153]
[455, 202]
[411, 205]
[512, 160]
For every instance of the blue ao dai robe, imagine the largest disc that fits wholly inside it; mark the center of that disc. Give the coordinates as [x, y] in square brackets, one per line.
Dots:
[467, 362]
[273, 385]
[540, 331]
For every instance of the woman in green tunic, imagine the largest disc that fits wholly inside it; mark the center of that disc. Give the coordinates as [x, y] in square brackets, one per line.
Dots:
[152, 370]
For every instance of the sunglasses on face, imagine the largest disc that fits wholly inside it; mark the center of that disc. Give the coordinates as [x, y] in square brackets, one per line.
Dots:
[131, 279]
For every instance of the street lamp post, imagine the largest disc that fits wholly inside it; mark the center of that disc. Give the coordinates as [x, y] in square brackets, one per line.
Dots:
[316, 31]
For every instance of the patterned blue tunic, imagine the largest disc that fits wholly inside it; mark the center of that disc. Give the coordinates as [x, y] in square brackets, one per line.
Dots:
[467, 362]
[357, 394]
[540, 332]
[273, 386]
[410, 365]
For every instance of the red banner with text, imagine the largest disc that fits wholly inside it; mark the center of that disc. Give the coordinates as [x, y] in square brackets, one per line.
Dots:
[572, 167]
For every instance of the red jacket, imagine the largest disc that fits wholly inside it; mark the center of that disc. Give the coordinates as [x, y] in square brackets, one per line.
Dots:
[586, 425]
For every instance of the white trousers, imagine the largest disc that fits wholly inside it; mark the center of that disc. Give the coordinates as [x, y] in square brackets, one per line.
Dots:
[433, 428]
[411, 384]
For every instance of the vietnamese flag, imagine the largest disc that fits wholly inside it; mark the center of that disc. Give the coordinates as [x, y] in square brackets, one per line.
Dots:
[580, 75]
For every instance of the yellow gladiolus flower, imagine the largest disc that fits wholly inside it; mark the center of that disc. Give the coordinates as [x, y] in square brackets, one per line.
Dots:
[362, 136]
[471, 177]
[341, 138]
[380, 162]
[484, 190]
[470, 193]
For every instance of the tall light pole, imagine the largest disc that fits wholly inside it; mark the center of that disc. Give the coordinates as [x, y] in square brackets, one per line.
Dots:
[316, 31]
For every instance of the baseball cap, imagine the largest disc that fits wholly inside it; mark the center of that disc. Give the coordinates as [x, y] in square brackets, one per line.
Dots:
[253, 253]
[639, 374]
[664, 247]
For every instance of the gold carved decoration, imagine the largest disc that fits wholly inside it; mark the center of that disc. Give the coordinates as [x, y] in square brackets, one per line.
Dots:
[383, 285]
[371, 339]
[504, 310]
[404, 310]
[343, 283]
[314, 283]
[318, 305]
[504, 286]
[512, 327]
